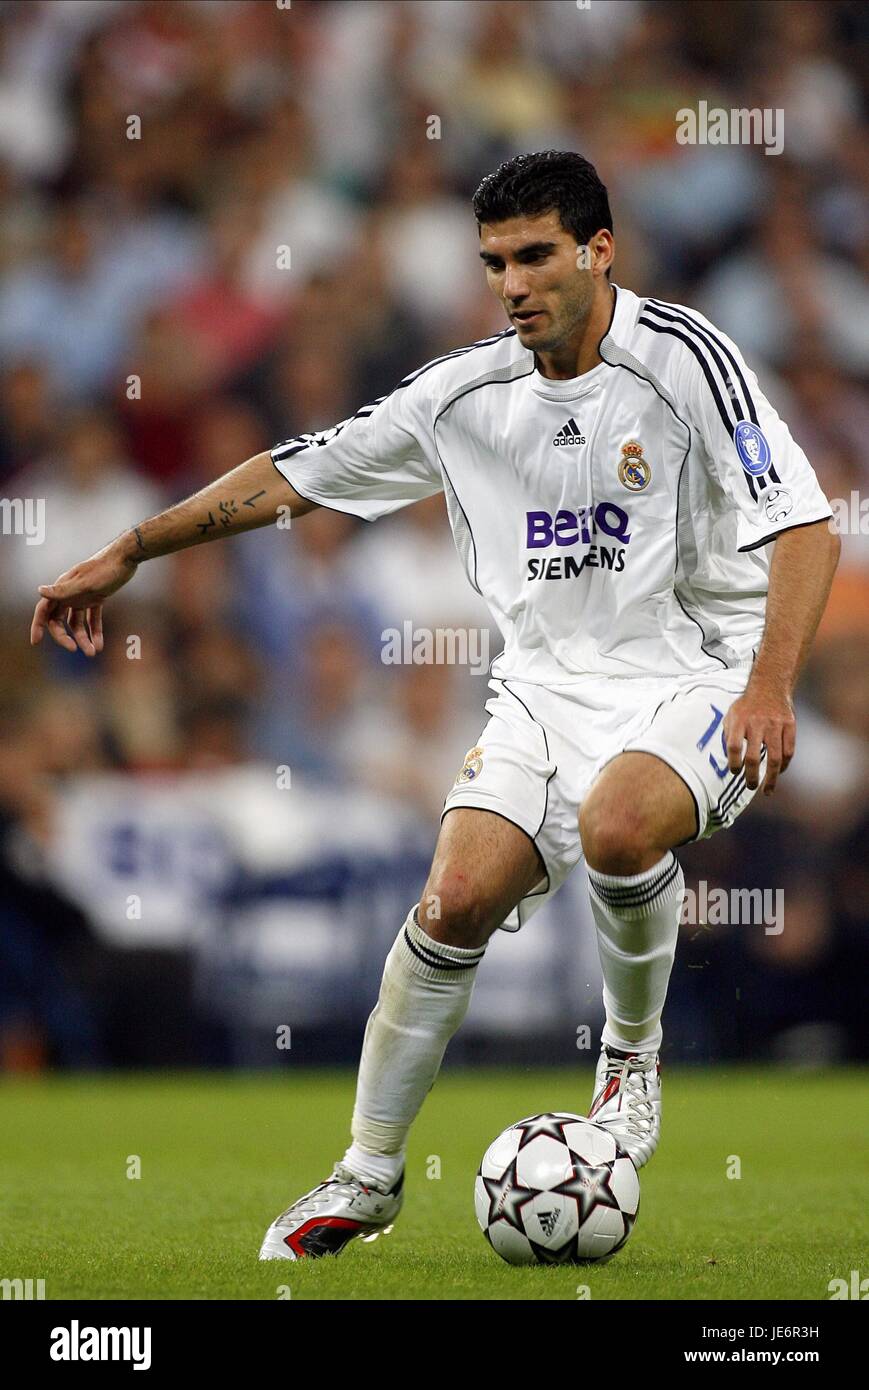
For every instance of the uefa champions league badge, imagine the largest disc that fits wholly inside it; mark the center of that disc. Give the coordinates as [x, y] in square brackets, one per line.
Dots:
[634, 472]
[472, 767]
[754, 452]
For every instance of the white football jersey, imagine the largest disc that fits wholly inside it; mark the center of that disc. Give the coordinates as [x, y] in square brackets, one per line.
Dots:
[616, 524]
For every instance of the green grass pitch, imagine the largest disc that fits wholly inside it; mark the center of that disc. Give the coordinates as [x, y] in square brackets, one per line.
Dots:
[222, 1155]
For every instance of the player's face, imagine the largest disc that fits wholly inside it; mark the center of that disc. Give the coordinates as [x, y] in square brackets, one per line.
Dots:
[533, 266]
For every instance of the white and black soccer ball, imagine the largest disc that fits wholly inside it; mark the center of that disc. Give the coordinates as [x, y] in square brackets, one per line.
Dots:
[556, 1189]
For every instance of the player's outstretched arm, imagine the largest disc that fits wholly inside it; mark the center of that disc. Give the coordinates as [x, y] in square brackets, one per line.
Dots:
[800, 574]
[247, 497]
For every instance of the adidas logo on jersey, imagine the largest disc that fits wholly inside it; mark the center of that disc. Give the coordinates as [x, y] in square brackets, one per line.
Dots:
[569, 434]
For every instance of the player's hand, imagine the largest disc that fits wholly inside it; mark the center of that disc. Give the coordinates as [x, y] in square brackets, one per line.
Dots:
[71, 609]
[759, 717]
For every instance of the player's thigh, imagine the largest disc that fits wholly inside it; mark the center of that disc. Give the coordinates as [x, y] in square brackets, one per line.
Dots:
[637, 808]
[483, 866]
[685, 733]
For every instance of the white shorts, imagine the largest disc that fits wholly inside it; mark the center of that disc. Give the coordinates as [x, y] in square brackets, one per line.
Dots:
[543, 747]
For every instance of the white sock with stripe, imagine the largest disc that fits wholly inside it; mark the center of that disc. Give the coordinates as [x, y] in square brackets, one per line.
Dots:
[637, 920]
[424, 996]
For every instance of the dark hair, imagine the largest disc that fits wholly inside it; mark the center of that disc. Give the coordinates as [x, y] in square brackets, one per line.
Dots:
[549, 181]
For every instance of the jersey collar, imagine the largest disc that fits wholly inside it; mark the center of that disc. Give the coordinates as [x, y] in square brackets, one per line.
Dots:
[568, 389]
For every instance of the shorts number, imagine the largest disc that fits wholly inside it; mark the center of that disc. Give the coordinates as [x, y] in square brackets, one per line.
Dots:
[702, 742]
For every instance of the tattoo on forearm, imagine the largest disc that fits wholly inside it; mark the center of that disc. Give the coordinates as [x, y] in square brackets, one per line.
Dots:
[227, 512]
[139, 542]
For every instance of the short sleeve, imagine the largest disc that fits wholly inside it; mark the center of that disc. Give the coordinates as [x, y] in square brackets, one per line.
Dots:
[756, 460]
[374, 463]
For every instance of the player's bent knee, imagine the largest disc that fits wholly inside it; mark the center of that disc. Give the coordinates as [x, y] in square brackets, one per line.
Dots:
[615, 839]
[457, 912]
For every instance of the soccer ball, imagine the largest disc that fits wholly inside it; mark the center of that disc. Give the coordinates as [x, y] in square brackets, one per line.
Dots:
[556, 1189]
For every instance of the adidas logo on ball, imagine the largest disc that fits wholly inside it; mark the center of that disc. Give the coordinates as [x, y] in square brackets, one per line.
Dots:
[548, 1221]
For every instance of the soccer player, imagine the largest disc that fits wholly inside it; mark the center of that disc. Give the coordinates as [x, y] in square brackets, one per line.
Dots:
[656, 551]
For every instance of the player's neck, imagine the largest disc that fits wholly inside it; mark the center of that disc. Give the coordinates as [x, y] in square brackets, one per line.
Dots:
[581, 355]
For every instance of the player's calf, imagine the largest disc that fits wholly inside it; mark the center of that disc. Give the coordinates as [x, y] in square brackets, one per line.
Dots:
[482, 866]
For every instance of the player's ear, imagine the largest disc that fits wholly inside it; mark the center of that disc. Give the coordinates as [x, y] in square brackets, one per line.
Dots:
[601, 249]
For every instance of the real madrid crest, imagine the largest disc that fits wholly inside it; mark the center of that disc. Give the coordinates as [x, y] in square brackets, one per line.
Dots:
[472, 767]
[634, 472]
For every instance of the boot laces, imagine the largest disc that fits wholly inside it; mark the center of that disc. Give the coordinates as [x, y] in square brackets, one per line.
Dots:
[342, 1183]
[632, 1073]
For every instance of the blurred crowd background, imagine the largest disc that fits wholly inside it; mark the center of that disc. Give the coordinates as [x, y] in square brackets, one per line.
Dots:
[162, 898]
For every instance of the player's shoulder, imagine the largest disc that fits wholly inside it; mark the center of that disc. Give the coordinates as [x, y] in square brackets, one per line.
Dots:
[443, 378]
[674, 340]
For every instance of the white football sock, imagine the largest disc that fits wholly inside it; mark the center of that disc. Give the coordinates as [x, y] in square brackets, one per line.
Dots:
[424, 997]
[637, 919]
